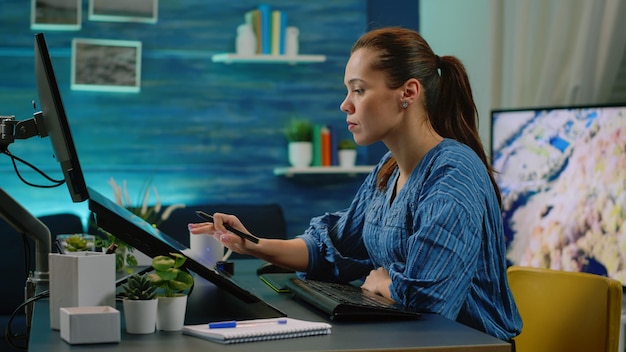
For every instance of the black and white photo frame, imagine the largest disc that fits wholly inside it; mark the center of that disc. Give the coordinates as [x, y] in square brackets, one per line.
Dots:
[106, 65]
[142, 11]
[63, 15]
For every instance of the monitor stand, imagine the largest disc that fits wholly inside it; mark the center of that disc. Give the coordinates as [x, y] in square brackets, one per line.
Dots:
[208, 302]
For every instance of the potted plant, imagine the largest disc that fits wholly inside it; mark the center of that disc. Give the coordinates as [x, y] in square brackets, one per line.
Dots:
[346, 152]
[299, 134]
[173, 281]
[125, 256]
[77, 242]
[140, 305]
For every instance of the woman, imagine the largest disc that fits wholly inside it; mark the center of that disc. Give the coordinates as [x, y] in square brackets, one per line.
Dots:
[425, 227]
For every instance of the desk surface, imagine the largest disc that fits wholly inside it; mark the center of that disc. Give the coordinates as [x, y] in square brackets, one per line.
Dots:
[431, 333]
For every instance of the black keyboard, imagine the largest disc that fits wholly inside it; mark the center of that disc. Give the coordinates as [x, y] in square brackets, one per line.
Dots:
[347, 302]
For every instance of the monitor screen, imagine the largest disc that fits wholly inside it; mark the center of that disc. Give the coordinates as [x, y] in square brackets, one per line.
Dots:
[56, 121]
[146, 238]
[562, 174]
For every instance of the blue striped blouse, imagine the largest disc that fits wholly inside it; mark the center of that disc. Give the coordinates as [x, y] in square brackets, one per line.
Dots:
[441, 240]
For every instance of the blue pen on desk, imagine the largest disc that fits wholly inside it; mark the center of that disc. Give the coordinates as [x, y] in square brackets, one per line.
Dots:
[234, 323]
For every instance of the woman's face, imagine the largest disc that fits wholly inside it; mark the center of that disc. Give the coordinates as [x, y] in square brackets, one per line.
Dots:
[373, 109]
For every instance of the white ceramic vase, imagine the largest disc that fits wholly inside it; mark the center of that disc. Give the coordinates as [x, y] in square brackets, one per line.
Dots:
[300, 153]
[292, 41]
[171, 313]
[140, 316]
[347, 157]
[246, 40]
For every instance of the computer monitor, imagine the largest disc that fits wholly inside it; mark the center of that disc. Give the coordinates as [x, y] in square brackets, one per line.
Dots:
[57, 128]
[562, 175]
[113, 217]
[56, 122]
[151, 241]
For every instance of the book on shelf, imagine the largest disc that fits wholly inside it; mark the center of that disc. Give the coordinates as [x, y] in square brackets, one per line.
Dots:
[317, 145]
[257, 330]
[266, 28]
[279, 26]
[325, 143]
[270, 27]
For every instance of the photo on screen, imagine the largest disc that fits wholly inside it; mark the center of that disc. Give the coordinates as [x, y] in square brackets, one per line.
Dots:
[142, 11]
[562, 175]
[106, 65]
[55, 14]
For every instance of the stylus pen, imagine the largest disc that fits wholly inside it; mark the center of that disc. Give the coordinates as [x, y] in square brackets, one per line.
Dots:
[111, 248]
[241, 234]
[59, 246]
[235, 324]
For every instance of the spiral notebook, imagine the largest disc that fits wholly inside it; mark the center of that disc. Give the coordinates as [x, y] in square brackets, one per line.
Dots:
[258, 330]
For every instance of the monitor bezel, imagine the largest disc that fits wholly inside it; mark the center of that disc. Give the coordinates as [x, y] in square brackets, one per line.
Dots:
[56, 122]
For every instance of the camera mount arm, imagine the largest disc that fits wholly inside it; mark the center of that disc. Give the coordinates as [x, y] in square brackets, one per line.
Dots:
[11, 129]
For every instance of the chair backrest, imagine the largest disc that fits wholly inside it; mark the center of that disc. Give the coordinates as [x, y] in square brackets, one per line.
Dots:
[63, 223]
[566, 311]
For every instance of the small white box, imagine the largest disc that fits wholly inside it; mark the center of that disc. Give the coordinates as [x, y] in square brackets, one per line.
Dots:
[81, 325]
[80, 279]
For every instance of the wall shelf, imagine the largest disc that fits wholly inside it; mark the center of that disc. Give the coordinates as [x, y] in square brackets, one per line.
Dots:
[229, 58]
[323, 170]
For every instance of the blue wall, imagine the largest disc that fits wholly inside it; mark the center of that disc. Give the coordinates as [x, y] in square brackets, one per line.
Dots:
[201, 132]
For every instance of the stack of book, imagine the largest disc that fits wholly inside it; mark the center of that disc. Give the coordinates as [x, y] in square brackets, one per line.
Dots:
[269, 27]
[325, 140]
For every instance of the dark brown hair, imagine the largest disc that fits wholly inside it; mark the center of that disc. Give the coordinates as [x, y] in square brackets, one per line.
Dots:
[403, 54]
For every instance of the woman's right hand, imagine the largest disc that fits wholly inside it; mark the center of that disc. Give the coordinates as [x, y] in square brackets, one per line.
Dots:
[291, 253]
[219, 231]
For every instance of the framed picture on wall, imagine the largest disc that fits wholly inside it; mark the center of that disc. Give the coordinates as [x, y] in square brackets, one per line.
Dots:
[55, 14]
[106, 65]
[124, 10]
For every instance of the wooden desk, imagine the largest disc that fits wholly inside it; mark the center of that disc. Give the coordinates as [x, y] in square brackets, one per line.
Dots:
[431, 333]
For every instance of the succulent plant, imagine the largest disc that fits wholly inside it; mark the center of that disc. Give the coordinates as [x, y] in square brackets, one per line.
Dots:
[139, 287]
[169, 275]
[77, 243]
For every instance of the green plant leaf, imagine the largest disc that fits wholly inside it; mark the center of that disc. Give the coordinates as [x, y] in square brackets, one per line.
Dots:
[162, 263]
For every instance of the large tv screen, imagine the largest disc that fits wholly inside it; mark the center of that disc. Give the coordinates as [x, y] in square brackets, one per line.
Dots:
[562, 174]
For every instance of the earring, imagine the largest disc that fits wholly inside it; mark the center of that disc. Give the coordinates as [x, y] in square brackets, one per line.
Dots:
[405, 104]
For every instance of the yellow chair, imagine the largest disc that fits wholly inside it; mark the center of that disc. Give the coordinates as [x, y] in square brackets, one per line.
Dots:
[566, 311]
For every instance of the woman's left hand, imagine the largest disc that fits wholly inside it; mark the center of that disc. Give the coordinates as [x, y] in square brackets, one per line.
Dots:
[378, 281]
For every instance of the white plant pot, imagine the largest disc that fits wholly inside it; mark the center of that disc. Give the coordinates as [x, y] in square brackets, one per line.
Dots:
[140, 316]
[300, 153]
[347, 157]
[171, 313]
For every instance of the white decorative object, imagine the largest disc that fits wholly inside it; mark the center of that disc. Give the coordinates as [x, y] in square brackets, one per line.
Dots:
[82, 325]
[80, 279]
[171, 312]
[246, 40]
[140, 315]
[347, 157]
[292, 41]
[300, 153]
[208, 249]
